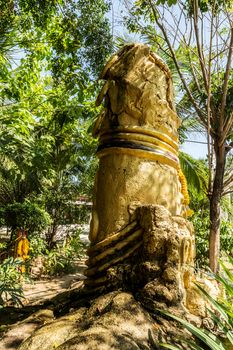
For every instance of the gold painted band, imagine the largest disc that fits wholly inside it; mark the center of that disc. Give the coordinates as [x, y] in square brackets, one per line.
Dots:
[162, 133]
[138, 146]
[93, 282]
[140, 153]
[113, 238]
[112, 250]
[143, 139]
[94, 270]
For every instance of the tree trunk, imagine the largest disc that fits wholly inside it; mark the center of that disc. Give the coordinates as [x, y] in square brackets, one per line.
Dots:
[215, 210]
[50, 235]
[52, 229]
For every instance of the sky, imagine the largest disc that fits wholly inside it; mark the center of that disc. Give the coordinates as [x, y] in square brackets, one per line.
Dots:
[196, 145]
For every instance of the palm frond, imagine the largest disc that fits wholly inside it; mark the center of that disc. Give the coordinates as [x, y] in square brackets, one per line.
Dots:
[194, 171]
[202, 334]
[169, 346]
[220, 311]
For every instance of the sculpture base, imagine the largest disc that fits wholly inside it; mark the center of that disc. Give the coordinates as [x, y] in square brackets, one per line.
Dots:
[152, 257]
[157, 275]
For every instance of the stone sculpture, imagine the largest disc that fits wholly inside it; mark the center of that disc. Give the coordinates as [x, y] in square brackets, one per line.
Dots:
[138, 140]
[139, 224]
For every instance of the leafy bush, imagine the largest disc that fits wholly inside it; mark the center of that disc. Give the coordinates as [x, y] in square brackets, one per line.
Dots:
[3, 250]
[61, 259]
[57, 261]
[226, 238]
[27, 215]
[38, 246]
[3, 246]
[74, 243]
[2, 219]
[71, 213]
[201, 223]
[201, 226]
[11, 282]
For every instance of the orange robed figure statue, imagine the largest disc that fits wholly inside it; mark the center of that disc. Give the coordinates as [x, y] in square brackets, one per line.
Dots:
[22, 247]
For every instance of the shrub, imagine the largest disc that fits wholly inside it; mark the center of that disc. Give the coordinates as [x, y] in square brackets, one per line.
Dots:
[3, 246]
[201, 223]
[226, 238]
[2, 218]
[11, 282]
[61, 259]
[38, 246]
[57, 262]
[27, 215]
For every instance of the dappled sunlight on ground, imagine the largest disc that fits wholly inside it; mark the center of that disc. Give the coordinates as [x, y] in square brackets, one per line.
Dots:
[37, 292]
[42, 289]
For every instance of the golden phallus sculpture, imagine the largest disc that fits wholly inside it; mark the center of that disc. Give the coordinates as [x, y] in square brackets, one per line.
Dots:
[138, 160]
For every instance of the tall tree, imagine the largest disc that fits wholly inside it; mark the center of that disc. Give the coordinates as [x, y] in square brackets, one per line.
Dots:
[196, 37]
[51, 53]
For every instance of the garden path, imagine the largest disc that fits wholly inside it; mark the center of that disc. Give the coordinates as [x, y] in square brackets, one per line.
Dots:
[37, 292]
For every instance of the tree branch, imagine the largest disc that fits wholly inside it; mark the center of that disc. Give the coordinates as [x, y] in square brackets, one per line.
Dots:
[227, 192]
[200, 52]
[227, 128]
[198, 110]
[228, 181]
[224, 91]
[209, 95]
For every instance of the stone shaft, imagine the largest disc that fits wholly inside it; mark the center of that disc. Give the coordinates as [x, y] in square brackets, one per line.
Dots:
[138, 144]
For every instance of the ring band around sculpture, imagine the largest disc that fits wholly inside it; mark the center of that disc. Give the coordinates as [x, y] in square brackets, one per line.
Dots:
[151, 145]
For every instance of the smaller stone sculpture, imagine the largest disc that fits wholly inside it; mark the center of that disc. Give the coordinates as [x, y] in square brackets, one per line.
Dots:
[22, 248]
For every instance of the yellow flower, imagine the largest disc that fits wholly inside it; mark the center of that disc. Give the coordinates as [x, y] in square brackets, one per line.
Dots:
[184, 188]
[189, 212]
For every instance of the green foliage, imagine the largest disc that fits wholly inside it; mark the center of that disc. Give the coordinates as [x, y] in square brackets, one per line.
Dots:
[196, 175]
[3, 246]
[72, 213]
[61, 259]
[169, 2]
[226, 238]
[204, 5]
[222, 316]
[47, 105]
[201, 223]
[2, 221]
[11, 282]
[199, 203]
[195, 172]
[56, 262]
[27, 215]
[17, 181]
[38, 246]
[47, 100]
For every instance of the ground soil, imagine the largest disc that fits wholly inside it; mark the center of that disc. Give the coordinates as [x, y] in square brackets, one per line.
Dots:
[36, 293]
[43, 289]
